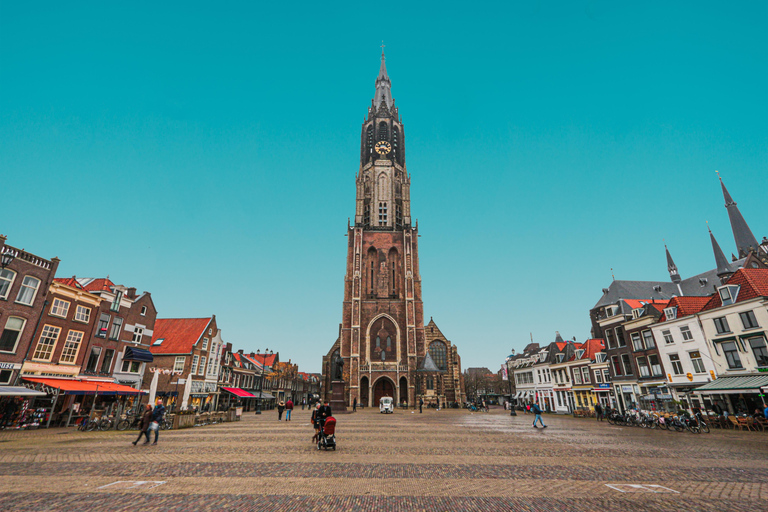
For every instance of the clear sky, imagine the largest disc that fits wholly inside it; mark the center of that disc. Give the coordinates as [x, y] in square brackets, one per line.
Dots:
[206, 152]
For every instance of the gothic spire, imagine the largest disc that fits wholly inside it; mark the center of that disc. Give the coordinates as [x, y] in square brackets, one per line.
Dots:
[383, 85]
[671, 267]
[742, 235]
[722, 263]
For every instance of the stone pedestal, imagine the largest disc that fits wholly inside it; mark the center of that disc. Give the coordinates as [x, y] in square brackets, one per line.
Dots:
[338, 404]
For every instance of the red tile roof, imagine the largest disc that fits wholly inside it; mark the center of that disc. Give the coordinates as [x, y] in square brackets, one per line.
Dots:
[636, 303]
[69, 281]
[753, 283]
[98, 285]
[686, 306]
[592, 347]
[264, 359]
[659, 306]
[178, 334]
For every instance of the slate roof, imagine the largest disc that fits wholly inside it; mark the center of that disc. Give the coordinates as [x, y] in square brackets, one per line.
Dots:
[691, 286]
[753, 283]
[428, 364]
[179, 335]
[742, 235]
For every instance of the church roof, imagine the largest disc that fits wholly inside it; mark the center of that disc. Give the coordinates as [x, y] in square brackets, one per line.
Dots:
[383, 86]
[428, 364]
[720, 260]
[742, 235]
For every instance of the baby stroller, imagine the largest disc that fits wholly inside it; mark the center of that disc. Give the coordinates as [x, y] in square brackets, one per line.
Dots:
[327, 438]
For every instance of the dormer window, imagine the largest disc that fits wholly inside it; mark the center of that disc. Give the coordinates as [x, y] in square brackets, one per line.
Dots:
[611, 311]
[579, 353]
[637, 313]
[560, 358]
[600, 357]
[670, 313]
[728, 293]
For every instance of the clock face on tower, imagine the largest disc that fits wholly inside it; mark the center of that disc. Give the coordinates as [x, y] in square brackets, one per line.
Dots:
[382, 147]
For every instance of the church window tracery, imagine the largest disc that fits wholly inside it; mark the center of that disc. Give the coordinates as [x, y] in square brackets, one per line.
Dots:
[382, 131]
[438, 353]
[382, 213]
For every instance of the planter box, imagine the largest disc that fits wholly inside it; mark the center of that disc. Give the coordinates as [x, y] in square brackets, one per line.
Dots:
[183, 421]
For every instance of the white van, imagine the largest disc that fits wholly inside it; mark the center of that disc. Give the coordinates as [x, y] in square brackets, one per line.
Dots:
[386, 405]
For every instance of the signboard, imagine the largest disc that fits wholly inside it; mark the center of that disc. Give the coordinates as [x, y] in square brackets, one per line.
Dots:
[626, 389]
[181, 381]
[7, 366]
[604, 386]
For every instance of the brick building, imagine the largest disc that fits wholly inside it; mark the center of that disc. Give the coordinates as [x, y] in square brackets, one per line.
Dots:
[181, 348]
[118, 350]
[24, 283]
[66, 326]
[382, 341]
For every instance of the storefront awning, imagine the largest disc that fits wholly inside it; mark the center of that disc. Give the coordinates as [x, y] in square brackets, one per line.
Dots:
[265, 395]
[138, 354]
[19, 391]
[239, 392]
[85, 387]
[734, 385]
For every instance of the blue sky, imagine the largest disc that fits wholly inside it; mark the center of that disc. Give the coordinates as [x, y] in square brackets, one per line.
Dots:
[207, 153]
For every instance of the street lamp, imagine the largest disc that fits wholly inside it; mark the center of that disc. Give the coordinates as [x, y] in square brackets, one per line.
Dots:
[7, 258]
[261, 384]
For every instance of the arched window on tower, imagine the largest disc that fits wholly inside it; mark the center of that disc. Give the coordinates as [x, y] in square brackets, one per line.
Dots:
[382, 131]
[395, 138]
[393, 267]
[439, 354]
[389, 343]
[371, 277]
[369, 140]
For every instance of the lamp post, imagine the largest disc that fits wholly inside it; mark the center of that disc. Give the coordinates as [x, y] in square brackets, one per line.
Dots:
[509, 380]
[261, 384]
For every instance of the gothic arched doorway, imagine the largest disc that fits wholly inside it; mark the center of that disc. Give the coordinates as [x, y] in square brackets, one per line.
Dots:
[364, 392]
[383, 387]
[403, 390]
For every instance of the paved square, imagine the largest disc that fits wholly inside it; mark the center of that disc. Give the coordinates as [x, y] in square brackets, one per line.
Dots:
[446, 460]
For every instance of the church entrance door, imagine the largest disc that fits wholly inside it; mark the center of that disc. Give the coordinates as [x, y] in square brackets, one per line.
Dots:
[383, 387]
[364, 392]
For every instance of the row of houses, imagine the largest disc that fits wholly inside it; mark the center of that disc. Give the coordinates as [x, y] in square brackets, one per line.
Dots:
[78, 344]
[661, 345]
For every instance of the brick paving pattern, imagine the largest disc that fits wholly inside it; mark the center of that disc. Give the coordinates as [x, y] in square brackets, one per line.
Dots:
[436, 461]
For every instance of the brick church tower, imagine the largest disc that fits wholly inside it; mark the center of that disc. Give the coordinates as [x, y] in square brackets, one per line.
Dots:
[382, 335]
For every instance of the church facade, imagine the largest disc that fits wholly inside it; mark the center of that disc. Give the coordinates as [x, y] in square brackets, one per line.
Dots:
[383, 347]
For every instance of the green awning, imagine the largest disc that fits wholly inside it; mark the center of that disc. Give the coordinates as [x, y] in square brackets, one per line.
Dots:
[731, 385]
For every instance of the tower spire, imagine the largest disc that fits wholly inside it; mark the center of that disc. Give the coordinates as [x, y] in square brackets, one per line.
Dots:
[672, 268]
[383, 84]
[723, 269]
[742, 235]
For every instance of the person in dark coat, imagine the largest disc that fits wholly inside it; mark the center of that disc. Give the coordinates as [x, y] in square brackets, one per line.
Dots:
[288, 409]
[315, 420]
[598, 412]
[421, 404]
[324, 412]
[146, 419]
[280, 409]
[354, 405]
[158, 413]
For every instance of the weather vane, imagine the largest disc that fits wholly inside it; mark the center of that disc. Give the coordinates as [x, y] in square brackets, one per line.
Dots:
[382, 47]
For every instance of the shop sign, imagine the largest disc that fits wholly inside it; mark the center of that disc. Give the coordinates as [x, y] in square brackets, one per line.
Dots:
[7, 366]
[604, 386]
[665, 396]
[626, 389]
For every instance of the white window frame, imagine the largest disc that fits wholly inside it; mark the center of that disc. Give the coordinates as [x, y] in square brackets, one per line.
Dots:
[82, 314]
[676, 364]
[24, 286]
[117, 326]
[51, 334]
[130, 364]
[9, 279]
[729, 294]
[138, 334]
[195, 360]
[670, 313]
[18, 336]
[71, 347]
[686, 333]
[178, 364]
[59, 308]
[202, 365]
[205, 344]
[143, 311]
[699, 359]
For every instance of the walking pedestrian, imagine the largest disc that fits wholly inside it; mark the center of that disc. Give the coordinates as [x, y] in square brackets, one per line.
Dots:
[158, 413]
[303, 403]
[598, 412]
[354, 405]
[421, 404]
[537, 411]
[146, 419]
[280, 409]
[315, 421]
[288, 409]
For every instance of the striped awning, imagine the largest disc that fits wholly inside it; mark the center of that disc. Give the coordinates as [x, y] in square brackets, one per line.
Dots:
[734, 385]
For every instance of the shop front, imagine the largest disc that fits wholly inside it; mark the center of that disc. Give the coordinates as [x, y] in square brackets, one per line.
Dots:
[16, 407]
[74, 399]
[656, 396]
[563, 400]
[627, 394]
[203, 396]
[602, 393]
[583, 397]
[740, 395]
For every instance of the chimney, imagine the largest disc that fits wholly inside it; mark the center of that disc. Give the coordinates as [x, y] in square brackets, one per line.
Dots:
[240, 351]
[253, 355]
[131, 293]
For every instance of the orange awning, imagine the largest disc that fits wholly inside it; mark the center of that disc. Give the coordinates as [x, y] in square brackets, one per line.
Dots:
[85, 387]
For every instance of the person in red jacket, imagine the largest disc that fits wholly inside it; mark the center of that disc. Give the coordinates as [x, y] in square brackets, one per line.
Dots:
[288, 409]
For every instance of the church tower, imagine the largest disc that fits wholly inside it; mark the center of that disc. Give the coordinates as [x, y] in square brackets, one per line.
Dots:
[382, 334]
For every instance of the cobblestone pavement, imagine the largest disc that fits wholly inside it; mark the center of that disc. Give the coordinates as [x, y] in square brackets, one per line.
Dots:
[435, 461]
